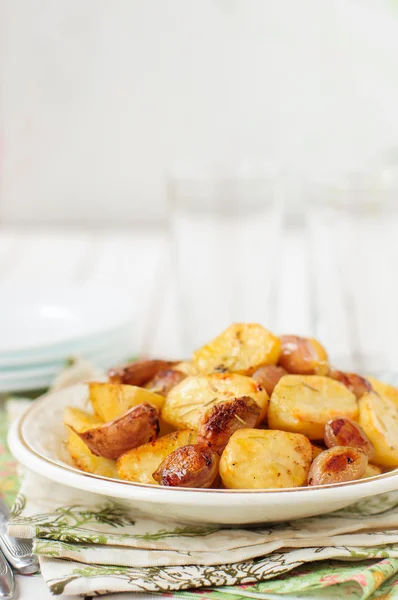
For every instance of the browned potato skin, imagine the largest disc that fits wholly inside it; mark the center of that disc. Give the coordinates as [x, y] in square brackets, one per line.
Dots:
[193, 466]
[164, 381]
[223, 419]
[138, 372]
[268, 376]
[303, 356]
[345, 432]
[137, 426]
[338, 464]
[355, 383]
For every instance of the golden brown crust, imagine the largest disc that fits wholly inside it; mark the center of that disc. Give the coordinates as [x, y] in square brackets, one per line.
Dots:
[137, 426]
[338, 464]
[195, 466]
[223, 419]
[345, 432]
[138, 372]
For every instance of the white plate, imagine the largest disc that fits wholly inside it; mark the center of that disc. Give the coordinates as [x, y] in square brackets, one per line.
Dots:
[37, 441]
[45, 319]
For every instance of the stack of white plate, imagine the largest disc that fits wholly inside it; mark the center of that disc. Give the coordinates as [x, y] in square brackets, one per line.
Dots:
[40, 329]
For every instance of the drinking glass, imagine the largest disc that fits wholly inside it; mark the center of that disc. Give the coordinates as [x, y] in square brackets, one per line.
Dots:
[225, 230]
[353, 235]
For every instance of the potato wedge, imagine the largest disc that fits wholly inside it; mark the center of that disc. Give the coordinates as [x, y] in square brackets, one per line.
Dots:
[193, 466]
[303, 356]
[110, 400]
[371, 471]
[86, 461]
[139, 425]
[378, 417]
[316, 450]
[264, 459]
[186, 403]
[139, 464]
[81, 420]
[304, 403]
[138, 372]
[384, 389]
[239, 349]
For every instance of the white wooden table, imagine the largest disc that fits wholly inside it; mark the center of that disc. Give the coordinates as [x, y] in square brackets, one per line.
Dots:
[353, 316]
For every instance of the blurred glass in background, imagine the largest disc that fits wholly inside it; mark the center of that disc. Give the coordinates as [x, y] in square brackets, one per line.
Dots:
[225, 234]
[353, 238]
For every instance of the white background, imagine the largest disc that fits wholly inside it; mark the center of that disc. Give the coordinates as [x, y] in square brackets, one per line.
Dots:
[99, 97]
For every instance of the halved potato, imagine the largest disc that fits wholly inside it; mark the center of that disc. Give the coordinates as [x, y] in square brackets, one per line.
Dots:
[378, 417]
[110, 400]
[264, 459]
[139, 425]
[192, 466]
[139, 464]
[86, 461]
[186, 403]
[239, 349]
[304, 404]
[384, 389]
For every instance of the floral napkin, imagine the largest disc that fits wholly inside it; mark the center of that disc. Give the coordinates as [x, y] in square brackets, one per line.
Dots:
[88, 544]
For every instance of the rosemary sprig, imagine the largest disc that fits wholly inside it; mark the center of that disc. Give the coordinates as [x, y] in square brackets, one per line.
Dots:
[238, 418]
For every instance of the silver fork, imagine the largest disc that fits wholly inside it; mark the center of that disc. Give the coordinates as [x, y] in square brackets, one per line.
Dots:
[18, 552]
[7, 580]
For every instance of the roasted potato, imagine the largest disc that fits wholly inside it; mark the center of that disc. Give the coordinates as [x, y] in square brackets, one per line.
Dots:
[221, 420]
[138, 372]
[139, 464]
[378, 417]
[304, 404]
[316, 450]
[341, 431]
[303, 356]
[357, 384]
[338, 464]
[187, 367]
[81, 420]
[110, 400]
[86, 461]
[193, 466]
[239, 349]
[164, 381]
[264, 459]
[139, 425]
[268, 376]
[187, 402]
[384, 389]
[371, 471]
